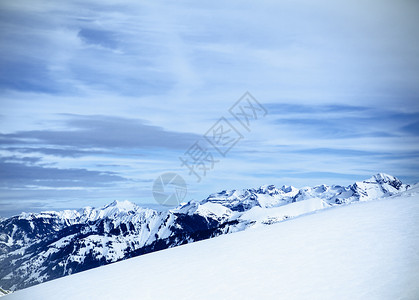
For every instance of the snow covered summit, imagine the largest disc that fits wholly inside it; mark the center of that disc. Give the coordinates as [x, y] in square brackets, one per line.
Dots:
[269, 196]
[324, 256]
[37, 247]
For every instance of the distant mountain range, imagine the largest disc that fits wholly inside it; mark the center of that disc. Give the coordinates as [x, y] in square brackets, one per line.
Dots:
[37, 247]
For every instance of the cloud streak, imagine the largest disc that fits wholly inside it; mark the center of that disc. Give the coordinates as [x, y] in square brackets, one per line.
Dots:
[14, 175]
[102, 132]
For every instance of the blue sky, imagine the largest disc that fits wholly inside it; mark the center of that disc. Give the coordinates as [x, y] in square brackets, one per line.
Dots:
[97, 98]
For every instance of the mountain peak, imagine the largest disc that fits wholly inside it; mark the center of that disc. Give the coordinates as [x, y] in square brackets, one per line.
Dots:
[383, 179]
[113, 209]
[78, 240]
[124, 205]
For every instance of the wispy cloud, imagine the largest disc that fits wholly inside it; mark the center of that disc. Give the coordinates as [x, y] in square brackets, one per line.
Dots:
[14, 174]
[102, 132]
[68, 152]
[412, 128]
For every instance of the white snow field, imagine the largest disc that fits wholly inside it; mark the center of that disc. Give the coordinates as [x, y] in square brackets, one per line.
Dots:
[367, 250]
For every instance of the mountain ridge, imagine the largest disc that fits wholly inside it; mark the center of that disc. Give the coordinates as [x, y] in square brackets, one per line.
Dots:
[361, 251]
[37, 247]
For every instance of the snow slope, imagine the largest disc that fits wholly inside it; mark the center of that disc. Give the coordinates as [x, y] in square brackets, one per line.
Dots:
[37, 247]
[366, 250]
[3, 292]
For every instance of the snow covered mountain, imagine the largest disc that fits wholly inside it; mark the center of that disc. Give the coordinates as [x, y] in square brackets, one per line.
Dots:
[3, 292]
[37, 247]
[324, 255]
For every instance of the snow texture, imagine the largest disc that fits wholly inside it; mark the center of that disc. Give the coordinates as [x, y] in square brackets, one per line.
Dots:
[366, 250]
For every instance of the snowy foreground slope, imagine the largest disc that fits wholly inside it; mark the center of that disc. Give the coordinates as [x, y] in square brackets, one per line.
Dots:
[366, 250]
